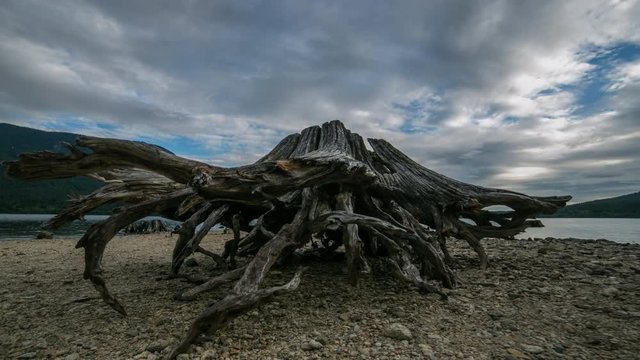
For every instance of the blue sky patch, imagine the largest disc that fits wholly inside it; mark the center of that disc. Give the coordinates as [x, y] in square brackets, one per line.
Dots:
[420, 116]
[510, 120]
[180, 145]
[591, 93]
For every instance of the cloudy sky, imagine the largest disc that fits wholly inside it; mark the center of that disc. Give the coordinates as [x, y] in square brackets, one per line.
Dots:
[535, 96]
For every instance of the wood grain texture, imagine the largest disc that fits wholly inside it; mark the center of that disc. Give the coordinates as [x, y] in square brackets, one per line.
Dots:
[321, 186]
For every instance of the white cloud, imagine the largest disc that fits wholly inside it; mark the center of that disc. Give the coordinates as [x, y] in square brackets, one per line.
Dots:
[238, 76]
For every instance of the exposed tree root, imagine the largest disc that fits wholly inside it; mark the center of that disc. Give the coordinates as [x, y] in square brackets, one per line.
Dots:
[321, 188]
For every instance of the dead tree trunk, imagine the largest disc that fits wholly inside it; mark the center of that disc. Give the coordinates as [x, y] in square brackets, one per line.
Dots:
[320, 183]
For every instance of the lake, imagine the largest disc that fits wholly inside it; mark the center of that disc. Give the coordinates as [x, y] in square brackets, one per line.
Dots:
[26, 226]
[618, 230]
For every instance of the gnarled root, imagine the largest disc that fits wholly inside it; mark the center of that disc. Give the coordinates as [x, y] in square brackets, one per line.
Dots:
[98, 236]
[323, 182]
[233, 305]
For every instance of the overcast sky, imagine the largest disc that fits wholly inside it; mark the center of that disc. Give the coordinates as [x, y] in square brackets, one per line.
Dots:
[535, 96]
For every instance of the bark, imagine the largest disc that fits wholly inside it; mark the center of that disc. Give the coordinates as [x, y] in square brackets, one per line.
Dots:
[187, 247]
[322, 183]
[146, 227]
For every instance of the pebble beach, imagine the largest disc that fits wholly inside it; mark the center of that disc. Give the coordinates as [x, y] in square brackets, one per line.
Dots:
[539, 299]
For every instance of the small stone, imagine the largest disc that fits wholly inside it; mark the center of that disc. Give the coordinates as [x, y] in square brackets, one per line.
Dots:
[143, 355]
[156, 346]
[44, 235]
[610, 291]
[533, 349]
[29, 355]
[90, 344]
[74, 356]
[396, 311]
[397, 331]
[495, 314]
[191, 262]
[209, 355]
[517, 354]
[41, 344]
[183, 357]
[311, 345]
[558, 349]
[508, 324]
[427, 351]
[163, 321]
[598, 271]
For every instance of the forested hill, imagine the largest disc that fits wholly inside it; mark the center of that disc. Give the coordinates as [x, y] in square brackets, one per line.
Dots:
[50, 196]
[625, 206]
[36, 197]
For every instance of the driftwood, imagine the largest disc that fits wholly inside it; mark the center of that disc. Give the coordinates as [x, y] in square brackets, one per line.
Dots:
[321, 184]
[147, 227]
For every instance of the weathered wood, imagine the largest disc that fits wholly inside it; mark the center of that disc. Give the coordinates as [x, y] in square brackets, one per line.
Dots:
[245, 294]
[356, 263]
[185, 234]
[187, 248]
[322, 183]
[146, 227]
[106, 154]
[128, 186]
[210, 284]
[233, 305]
[96, 238]
[231, 248]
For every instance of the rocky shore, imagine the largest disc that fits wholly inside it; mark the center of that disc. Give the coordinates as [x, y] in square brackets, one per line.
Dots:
[540, 299]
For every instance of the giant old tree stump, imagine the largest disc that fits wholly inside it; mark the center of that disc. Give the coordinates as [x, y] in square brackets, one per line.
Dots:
[321, 184]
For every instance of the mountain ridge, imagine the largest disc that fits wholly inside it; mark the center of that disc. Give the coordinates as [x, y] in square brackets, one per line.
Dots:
[20, 197]
[623, 206]
[36, 197]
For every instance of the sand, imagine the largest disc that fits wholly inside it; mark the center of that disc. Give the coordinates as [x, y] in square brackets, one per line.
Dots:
[540, 299]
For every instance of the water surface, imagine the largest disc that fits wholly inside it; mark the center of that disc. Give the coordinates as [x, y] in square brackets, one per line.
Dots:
[618, 230]
[26, 226]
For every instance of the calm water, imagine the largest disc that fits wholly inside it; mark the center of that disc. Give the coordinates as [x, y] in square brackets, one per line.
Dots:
[618, 230]
[26, 226]
[13, 226]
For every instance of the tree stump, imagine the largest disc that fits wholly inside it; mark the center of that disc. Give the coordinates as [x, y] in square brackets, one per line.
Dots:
[322, 183]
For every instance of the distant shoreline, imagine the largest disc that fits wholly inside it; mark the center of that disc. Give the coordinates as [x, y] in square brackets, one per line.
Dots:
[621, 230]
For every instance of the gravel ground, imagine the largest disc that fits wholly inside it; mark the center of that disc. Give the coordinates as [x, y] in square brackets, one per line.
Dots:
[540, 299]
